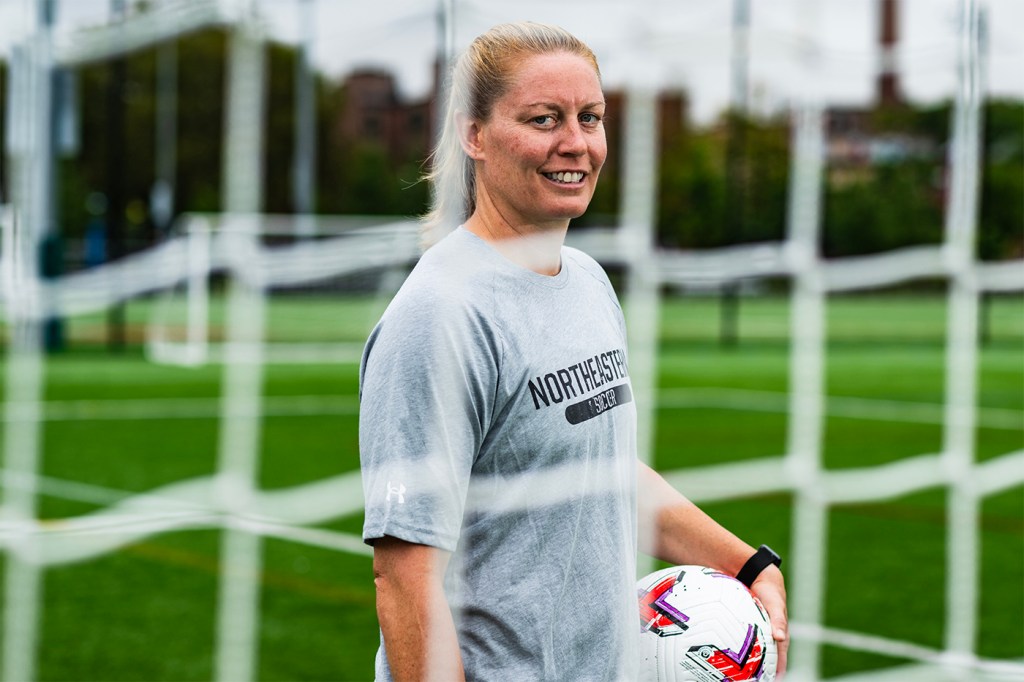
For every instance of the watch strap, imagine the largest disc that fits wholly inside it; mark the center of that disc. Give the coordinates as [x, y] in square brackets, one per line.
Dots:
[762, 558]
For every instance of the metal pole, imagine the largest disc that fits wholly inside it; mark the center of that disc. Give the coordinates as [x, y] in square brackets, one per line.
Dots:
[115, 178]
[445, 54]
[51, 245]
[166, 142]
[736, 170]
[304, 163]
[5, 133]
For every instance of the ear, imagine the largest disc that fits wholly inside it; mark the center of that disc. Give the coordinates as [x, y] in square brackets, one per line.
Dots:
[470, 136]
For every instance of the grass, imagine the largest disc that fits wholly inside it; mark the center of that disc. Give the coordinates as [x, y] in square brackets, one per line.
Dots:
[148, 610]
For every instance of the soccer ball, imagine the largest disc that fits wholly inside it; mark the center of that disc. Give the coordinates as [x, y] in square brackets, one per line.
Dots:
[701, 625]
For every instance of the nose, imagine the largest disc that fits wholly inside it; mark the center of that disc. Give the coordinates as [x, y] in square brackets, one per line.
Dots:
[573, 141]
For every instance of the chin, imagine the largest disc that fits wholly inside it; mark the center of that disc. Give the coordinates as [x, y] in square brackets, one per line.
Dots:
[569, 212]
[561, 216]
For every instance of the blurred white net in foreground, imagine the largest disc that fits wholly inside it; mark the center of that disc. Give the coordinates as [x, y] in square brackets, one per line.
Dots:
[231, 499]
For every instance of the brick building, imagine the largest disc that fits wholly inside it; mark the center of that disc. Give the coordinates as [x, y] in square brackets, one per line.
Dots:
[373, 112]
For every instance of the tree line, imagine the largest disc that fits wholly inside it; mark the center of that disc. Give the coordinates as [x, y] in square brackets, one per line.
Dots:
[709, 194]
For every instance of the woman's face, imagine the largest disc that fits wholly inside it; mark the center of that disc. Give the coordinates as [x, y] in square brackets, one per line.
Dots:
[544, 144]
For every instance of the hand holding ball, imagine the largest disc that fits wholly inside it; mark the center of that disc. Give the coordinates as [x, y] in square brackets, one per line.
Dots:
[700, 625]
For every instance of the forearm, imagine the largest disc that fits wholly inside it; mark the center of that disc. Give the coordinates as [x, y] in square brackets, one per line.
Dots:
[675, 530]
[419, 638]
[415, 620]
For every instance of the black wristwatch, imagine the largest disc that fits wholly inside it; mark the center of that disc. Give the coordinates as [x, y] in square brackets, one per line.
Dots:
[764, 556]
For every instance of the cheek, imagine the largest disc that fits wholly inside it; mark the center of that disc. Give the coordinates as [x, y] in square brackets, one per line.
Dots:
[524, 148]
[505, 146]
[598, 152]
[527, 151]
[517, 148]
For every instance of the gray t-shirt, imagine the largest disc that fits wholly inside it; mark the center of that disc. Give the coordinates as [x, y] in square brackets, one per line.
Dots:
[497, 423]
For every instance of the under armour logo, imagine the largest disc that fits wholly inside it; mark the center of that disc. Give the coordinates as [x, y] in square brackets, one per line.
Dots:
[396, 490]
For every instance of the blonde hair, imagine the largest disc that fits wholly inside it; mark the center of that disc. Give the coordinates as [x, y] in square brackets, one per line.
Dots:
[479, 77]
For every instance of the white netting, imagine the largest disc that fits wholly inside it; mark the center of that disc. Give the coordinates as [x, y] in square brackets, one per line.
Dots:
[231, 243]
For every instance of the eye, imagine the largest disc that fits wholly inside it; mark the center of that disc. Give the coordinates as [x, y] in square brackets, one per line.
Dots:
[544, 120]
[590, 119]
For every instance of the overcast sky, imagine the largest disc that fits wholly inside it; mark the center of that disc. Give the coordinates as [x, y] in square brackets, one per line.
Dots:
[798, 48]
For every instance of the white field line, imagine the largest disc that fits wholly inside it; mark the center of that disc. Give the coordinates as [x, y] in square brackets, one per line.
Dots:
[191, 353]
[192, 408]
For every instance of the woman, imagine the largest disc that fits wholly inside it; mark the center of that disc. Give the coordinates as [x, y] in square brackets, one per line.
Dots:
[497, 429]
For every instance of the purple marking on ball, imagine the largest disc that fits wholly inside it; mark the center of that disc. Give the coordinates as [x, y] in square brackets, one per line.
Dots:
[744, 653]
[662, 604]
[719, 574]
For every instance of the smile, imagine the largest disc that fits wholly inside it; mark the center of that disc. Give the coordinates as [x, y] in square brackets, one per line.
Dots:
[566, 178]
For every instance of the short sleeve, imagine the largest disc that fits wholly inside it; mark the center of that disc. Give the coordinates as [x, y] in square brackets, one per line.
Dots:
[427, 388]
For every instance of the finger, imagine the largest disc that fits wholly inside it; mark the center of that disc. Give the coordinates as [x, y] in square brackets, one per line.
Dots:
[782, 646]
[776, 607]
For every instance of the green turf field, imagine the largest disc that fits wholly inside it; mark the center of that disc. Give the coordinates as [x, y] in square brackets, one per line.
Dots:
[118, 425]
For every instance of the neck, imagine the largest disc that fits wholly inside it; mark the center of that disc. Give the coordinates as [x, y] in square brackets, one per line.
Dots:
[536, 248]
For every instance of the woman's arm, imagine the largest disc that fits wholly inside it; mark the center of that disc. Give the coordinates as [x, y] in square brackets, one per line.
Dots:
[419, 633]
[675, 530]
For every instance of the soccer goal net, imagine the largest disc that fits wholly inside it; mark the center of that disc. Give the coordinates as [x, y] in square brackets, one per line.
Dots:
[247, 293]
